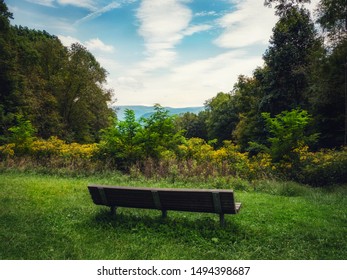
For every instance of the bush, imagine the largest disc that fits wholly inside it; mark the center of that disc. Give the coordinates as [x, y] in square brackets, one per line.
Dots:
[326, 167]
[7, 151]
[52, 154]
[288, 131]
[21, 135]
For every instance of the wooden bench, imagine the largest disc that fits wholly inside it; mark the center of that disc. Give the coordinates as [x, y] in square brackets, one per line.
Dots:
[192, 200]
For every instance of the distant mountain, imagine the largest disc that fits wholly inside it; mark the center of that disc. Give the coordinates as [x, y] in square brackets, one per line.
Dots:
[146, 111]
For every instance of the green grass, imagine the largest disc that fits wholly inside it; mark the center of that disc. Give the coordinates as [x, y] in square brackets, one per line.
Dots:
[53, 217]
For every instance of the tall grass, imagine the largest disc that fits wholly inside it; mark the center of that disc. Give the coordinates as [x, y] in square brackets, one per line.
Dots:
[53, 217]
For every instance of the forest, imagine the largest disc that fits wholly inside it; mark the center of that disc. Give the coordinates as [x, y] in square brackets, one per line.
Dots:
[286, 121]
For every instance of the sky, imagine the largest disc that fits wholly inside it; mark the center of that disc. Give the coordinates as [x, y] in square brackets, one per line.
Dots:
[177, 53]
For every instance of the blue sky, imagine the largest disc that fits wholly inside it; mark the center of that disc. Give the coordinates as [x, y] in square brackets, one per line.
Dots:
[176, 53]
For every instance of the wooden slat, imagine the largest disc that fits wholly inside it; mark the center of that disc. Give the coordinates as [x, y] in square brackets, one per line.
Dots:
[187, 201]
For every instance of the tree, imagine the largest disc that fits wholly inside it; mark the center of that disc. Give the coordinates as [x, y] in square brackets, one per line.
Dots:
[120, 143]
[130, 131]
[5, 16]
[332, 16]
[8, 79]
[159, 133]
[284, 6]
[193, 125]
[39, 58]
[222, 117]
[327, 95]
[287, 60]
[248, 93]
[82, 100]
[59, 90]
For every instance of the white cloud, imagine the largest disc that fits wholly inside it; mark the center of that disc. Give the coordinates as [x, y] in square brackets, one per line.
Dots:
[97, 45]
[161, 25]
[94, 45]
[190, 84]
[160, 58]
[129, 83]
[47, 3]
[87, 4]
[250, 24]
[99, 12]
[217, 73]
[196, 28]
[206, 13]
[67, 41]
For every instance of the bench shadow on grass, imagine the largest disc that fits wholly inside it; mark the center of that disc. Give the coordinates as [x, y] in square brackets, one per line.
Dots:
[128, 220]
[144, 234]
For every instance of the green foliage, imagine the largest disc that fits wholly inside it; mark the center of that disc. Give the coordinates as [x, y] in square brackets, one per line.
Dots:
[126, 142]
[120, 143]
[9, 96]
[197, 149]
[325, 167]
[332, 17]
[22, 134]
[247, 95]
[82, 101]
[289, 131]
[193, 125]
[60, 90]
[5, 16]
[287, 60]
[284, 6]
[61, 93]
[222, 117]
[159, 133]
[327, 95]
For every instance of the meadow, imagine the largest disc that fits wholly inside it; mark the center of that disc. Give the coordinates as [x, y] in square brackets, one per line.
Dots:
[45, 216]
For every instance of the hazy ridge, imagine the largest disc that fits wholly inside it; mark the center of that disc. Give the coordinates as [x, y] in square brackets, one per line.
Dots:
[146, 111]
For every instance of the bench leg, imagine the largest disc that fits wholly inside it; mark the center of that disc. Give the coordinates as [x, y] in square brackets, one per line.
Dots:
[113, 210]
[163, 214]
[221, 220]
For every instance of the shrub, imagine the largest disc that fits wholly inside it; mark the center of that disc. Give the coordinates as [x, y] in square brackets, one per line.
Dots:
[195, 148]
[261, 167]
[7, 151]
[52, 153]
[326, 167]
[54, 147]
[21, 135]
[288, 131]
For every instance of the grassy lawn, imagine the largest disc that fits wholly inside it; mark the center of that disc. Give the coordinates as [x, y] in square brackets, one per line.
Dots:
[53, 217]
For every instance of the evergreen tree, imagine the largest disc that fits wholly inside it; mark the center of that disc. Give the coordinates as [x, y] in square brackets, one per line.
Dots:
[288, 59]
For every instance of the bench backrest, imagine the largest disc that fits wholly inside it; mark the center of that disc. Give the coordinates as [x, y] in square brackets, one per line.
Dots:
[210, 201]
